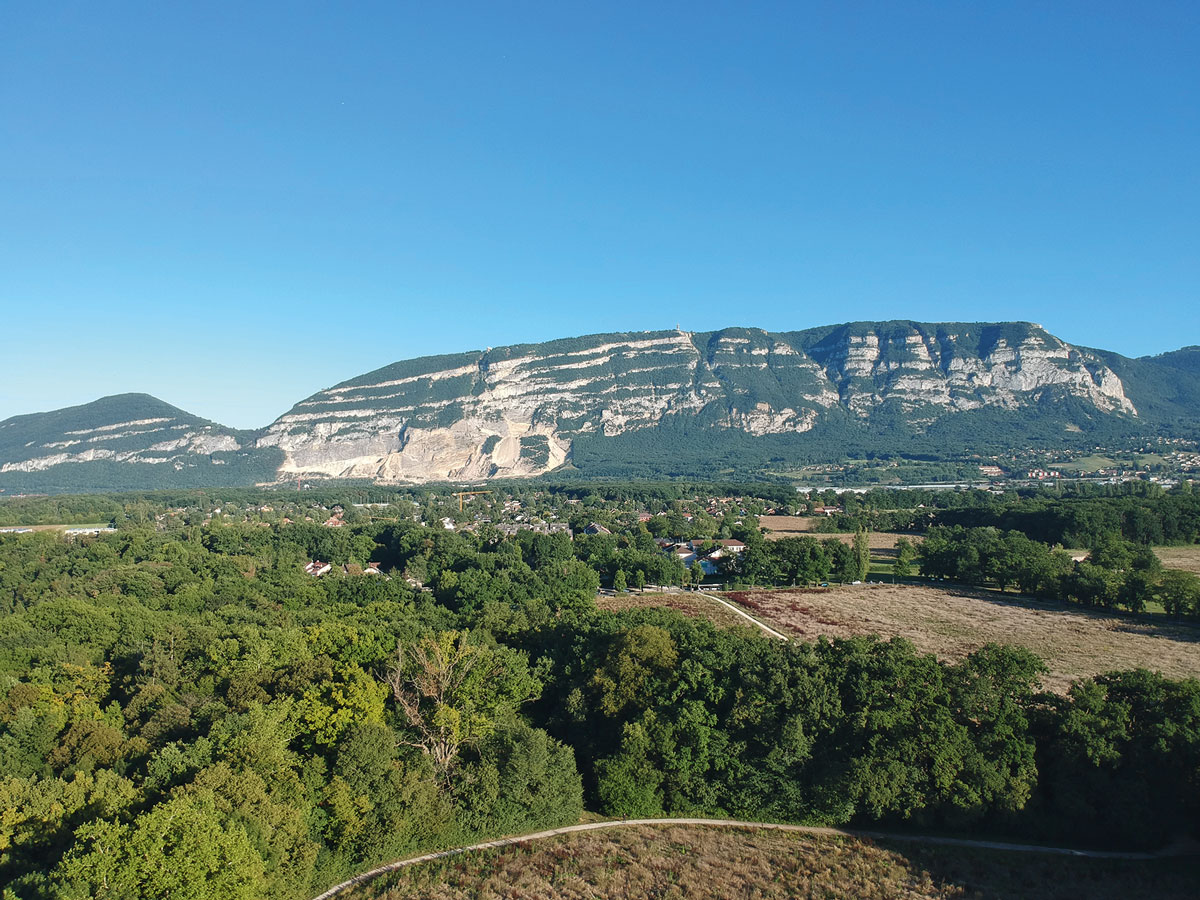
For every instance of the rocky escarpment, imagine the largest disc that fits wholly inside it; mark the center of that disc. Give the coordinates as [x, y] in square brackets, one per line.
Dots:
[941, 368]
[515, 411]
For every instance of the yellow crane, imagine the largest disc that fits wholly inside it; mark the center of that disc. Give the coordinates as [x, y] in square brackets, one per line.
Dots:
[463, 494]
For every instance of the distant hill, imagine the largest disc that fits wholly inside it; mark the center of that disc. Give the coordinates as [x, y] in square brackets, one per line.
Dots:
[736, 401]
[126, 442]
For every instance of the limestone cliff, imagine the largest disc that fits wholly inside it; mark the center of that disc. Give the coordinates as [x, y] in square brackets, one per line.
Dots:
[515, 411]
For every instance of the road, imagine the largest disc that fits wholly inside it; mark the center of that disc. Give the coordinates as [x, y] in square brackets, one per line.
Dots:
[734, 823]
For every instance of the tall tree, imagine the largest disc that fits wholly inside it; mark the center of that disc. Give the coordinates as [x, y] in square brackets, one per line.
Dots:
[862, 553]
[453, 691]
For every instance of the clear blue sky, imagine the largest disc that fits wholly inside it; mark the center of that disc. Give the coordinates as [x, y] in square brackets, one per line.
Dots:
[232, 205]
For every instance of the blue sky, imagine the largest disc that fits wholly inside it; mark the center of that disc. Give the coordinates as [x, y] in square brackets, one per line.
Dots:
[231, 206]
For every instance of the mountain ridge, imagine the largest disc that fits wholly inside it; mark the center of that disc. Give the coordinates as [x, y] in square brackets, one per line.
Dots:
[526, 409]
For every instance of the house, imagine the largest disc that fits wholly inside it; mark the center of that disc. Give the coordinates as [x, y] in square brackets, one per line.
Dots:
[372, 568]
[685, 554]
[594, 528]
[991, 471]
[316, 568]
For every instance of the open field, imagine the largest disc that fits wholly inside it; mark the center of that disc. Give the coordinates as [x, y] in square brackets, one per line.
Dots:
[786, 526]
[715, 864]
[882, 542]
[1186, 558]
[952, 622]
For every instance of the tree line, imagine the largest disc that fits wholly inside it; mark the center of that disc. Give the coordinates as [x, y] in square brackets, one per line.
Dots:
[1115, 574]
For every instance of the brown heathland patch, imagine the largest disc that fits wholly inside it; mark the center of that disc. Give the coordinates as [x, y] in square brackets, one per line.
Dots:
[1186, 558]
[715, 864]
[952, 622]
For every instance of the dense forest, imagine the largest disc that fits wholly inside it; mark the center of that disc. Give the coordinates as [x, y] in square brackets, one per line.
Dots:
[185, 712]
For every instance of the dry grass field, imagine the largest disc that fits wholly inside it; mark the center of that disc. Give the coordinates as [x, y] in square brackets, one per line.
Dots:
[952, 622]
[672, 862]
[1186, 558]
[786, 526]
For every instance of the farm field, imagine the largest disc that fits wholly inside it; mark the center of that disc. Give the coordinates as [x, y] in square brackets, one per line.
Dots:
[786, 526]
[952, 622]
[882, 543]
[715, 864]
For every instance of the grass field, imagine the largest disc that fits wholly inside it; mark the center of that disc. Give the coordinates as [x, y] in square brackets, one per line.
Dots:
[729, 864]
[1186, 558]
[786, 526]
[952, 622]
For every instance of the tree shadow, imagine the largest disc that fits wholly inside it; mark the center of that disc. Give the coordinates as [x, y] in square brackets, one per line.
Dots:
[1151, 624]
[979, 874]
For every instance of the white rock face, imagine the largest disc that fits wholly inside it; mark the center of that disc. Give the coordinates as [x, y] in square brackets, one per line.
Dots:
[765, 420]
[516, 411]
[89, 446]
[921, 371]
[507, 399]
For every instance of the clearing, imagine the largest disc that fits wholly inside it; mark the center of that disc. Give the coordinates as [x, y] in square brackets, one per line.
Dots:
[680, 861]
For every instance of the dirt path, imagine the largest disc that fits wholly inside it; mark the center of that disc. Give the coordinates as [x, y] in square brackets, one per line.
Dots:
[745, 615]
[734, 823]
